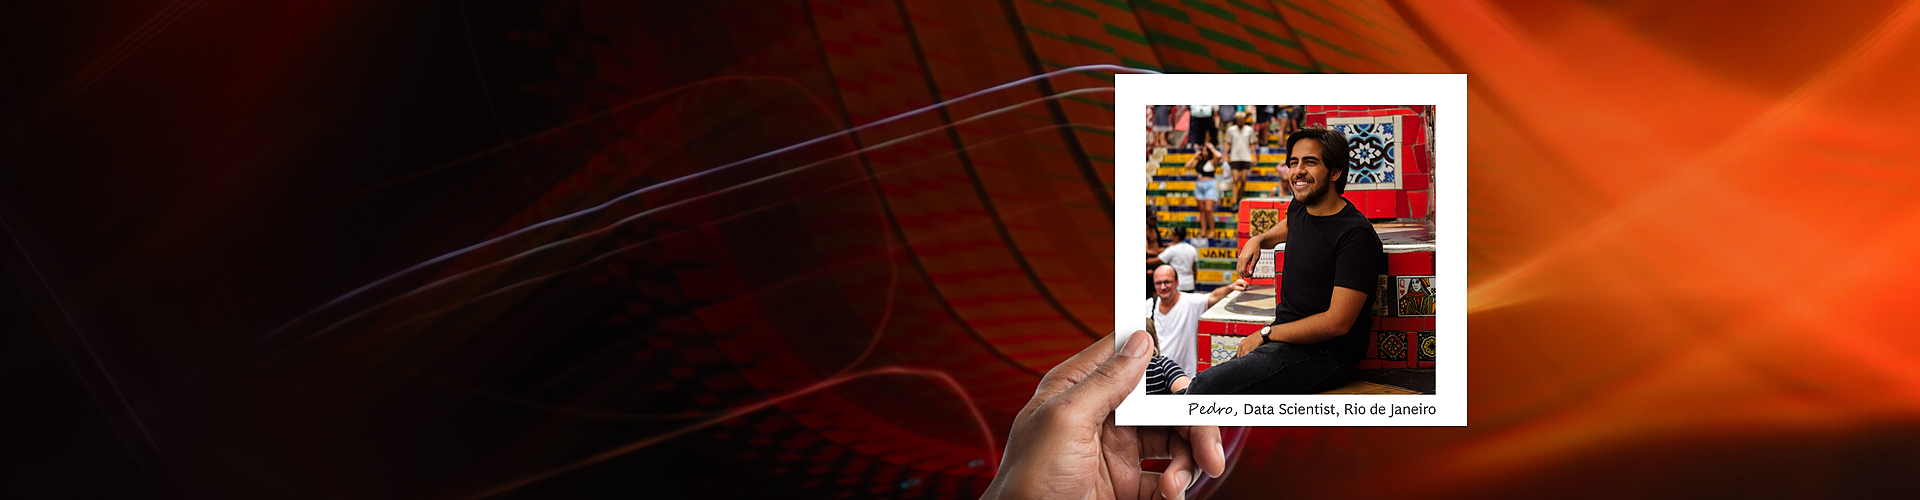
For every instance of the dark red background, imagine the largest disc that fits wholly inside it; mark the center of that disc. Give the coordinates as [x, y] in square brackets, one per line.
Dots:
[186, 185]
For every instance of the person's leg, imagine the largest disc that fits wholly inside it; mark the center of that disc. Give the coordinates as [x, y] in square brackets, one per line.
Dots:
[1237, 375]
[1205, 191]
[1240, 179]
[1274, 368]
[1206, 217]
[1240, 173]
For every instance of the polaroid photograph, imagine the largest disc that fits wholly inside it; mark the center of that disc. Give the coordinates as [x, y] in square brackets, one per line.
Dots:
[1297, 244]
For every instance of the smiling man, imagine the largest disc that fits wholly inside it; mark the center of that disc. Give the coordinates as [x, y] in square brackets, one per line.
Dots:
[1175, 315]
[1331, 270]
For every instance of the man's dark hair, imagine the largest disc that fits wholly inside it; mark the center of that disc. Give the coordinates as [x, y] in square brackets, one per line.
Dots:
[1333, 148]
[1179, 234]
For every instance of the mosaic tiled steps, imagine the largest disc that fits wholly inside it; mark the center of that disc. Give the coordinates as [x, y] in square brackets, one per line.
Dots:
[1216, 264]
[1184, 188]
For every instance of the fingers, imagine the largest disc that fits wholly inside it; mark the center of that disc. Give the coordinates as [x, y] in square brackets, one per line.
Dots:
[1207, 447]
[1149, 486]
[1107, 385]
[1179, 473]
[1186, 454]
[1120, 448]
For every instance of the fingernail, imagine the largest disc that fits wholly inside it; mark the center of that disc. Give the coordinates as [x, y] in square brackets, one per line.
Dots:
[1220, 452]
[1185, 478]
[1137, 345]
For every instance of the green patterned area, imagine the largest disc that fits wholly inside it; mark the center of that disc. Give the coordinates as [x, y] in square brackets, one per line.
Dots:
[1256, 10]
[1337, 48]
[1211, 9]
[1227, 40]
[1165, 10]
[1220, 38]
[1070, 7]
[1263, 34]
[1221, 264]
[1218, 26]
[1181, 44]
[1127, 34]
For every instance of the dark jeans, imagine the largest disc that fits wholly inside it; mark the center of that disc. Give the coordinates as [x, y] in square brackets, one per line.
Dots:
[1276, 368]
[1200, 131]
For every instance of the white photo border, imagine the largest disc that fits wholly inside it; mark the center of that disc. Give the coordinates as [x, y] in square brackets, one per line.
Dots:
[1446, 92]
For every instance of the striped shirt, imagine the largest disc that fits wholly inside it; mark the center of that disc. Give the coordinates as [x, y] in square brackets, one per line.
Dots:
[1161, 372]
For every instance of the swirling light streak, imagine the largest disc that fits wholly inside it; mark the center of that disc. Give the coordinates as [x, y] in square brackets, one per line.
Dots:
[697, 175]
[623, 221]
[891, 253]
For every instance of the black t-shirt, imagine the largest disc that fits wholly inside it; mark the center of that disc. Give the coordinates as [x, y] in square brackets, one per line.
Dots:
[1322, 253]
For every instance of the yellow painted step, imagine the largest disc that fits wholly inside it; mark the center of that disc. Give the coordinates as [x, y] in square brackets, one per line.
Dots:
[1187, 186]
[1211, 276]
[1219, 253]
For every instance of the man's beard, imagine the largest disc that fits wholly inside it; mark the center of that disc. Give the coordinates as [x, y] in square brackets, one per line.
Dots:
[1319, 192]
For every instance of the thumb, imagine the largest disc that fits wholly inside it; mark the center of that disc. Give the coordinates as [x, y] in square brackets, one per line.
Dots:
[1101, 391]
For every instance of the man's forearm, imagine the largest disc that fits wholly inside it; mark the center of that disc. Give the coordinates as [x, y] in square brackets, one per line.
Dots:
[1217, 294]
[1309, 330]
[1273, 236]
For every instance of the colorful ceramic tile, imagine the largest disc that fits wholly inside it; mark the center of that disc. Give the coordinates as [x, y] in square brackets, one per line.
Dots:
[1223, 348]
[1393, 346]
[1263, 219]
[1372, 147]
[1264, 268]
[1413, 296]
[1426, 344]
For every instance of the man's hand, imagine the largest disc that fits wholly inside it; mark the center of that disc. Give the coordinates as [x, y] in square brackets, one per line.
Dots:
[1249, 255]
[1064, 444]
[1217, 294]
[1249, 343]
